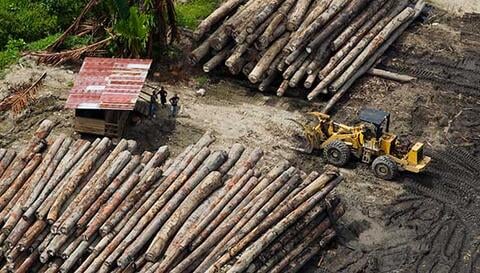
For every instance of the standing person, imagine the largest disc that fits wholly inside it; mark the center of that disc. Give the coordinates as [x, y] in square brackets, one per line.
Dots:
[153, 104]
[174, 102]
[163, 96]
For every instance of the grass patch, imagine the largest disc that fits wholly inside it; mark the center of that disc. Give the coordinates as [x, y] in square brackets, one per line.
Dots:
[14, 48]
[42, 44]
[190, 14]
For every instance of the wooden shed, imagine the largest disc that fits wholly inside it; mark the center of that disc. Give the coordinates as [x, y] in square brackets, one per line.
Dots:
[105, 94]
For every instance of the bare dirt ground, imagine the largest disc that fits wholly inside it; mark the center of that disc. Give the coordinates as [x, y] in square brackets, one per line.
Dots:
[420, 223]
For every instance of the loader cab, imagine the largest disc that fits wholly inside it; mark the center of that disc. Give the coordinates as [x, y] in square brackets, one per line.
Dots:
[378, 120]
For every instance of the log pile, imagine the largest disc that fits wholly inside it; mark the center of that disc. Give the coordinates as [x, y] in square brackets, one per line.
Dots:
[324, 45]
[77, 206]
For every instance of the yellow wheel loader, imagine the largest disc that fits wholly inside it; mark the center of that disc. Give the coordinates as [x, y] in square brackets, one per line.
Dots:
[371, 142]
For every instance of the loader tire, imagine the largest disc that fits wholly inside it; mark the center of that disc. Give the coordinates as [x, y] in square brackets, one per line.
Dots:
[337, 153]
[384, 168]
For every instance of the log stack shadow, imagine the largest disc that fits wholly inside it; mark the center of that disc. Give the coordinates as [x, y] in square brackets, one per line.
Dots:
[77, 206]
[322, 45]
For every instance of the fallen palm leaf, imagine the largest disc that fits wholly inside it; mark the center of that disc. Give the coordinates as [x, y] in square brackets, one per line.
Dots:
[21, 96]
[71, 55]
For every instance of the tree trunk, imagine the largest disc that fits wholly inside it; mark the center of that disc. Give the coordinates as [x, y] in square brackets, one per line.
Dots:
[216, 16]
[297, 15]
[268, 58]
[296, 208]
[357, 23]
[367, 65]
[339, 22]
[353, 54]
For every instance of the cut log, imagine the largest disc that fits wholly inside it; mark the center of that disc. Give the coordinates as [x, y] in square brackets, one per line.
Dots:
[217, 59]
[367, 65]
[268, 58]
[296, 208]
[357, 50]
[111, 189]
[390, 75]
[297, 15]
[223, 11]
[339, 22]
[211, 183]
[212, 163]
[93, 193]
[373, 25]
[357, 23]
[283, 88]
[335, 7]
[373, 46]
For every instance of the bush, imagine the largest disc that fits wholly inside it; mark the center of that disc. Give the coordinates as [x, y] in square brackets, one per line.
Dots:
[190, 14]
[32, 20]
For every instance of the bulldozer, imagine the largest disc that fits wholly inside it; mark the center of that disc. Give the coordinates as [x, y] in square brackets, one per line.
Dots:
[370, 141]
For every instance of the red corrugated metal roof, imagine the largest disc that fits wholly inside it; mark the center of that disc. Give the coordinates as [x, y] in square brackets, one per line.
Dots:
[108, 83]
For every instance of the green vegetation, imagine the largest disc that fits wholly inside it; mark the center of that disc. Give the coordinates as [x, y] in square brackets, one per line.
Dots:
[13, 49]
[32, 25]
[32, 20]
[190, 14]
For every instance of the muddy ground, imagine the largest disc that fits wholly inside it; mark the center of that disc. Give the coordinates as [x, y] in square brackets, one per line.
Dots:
[419, 223]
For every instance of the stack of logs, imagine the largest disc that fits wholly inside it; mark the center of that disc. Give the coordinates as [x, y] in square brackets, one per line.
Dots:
[75, 206]
[324, 44]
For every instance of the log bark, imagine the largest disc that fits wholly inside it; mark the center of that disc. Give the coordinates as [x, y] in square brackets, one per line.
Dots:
[6, 161]
[367, 65]
[300, 73]
[260, 17]
[218, 236]
[283, 88]
[108, 208]
[299, 261]
[132, 198]
[288, 73]
[263, 210]
[314, 235]
[216, 16]
[75, 179]
[390, 75]
[93, 195]
[234, 155]
[17, 184]
[373, 46]
[217, 60]
[211, 183]
[42, 204]
[277, 222]
[97, 179]
[168, 203]
[339, 22]
[110, 190]
[36, 144]
[38, 180]
[217, 214]
[205, 247]
[335, 7]
[373, 25]
[268, 58]
[353, 54]
[297, 15]
[357, 23]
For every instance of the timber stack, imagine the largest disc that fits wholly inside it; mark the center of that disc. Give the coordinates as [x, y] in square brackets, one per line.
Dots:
[77, 206]
[324, 45]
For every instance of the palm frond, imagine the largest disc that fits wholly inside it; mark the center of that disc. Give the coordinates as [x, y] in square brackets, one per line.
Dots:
[71, 55]
[22, 96]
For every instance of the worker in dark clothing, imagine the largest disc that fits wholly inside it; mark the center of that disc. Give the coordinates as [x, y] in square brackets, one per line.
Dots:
[174, 103]
[163, 96]
[153, 104]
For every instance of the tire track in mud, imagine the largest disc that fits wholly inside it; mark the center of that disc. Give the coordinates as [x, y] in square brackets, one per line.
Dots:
[443, 207]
